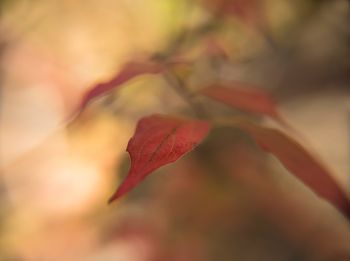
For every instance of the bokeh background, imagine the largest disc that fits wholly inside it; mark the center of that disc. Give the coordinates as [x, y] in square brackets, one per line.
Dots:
[225, 201]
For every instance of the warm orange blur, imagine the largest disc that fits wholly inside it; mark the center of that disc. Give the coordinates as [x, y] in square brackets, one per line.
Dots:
[225, 201]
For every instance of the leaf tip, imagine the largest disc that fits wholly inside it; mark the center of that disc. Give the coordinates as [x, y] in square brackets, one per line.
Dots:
[111, 199]
[115, 196]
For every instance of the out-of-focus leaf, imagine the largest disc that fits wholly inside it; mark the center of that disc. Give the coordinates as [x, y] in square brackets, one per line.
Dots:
[129, 71]
[299, 162]
[215, 48]
[159, 140]
[247, 10]
[243, 97]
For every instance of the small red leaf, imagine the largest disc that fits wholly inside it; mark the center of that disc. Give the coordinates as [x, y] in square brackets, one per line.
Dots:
[216, 48]
[246, 98]
[299, 162]
[129, 71]
[159, 140]
[249, 11]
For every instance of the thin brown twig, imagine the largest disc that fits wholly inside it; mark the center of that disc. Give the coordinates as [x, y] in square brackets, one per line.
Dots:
[181, 89]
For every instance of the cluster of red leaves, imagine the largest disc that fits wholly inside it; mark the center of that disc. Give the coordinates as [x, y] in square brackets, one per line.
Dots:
[162, 139]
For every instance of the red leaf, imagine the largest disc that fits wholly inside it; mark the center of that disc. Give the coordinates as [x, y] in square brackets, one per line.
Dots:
[243, 97]
[299, 162]
[129, 71]
[159, 140]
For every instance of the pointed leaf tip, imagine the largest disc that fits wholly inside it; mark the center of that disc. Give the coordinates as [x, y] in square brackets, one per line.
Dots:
[159, 140]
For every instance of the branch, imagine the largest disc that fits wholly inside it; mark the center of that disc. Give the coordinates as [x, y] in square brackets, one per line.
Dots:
[181, 89]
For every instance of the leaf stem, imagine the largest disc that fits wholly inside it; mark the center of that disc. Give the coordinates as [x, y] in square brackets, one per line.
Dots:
[181, 89]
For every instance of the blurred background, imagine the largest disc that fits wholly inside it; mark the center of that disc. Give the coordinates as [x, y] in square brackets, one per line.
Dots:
[225, 201]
